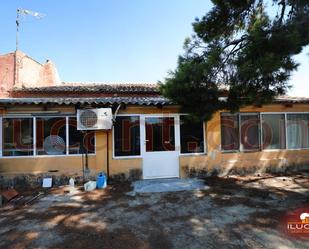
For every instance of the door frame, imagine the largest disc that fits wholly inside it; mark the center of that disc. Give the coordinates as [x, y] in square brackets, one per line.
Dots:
[143, 136]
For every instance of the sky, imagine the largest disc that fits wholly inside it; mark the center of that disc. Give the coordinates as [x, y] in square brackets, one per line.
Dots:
[112, 40]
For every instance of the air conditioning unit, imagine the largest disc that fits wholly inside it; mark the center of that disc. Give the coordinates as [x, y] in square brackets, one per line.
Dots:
[94, 119]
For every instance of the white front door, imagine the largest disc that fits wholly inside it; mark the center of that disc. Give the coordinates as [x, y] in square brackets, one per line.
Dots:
[160, 146]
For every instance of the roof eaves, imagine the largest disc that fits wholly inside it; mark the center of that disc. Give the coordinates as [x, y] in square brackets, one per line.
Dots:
[108, 88]
[73, 101]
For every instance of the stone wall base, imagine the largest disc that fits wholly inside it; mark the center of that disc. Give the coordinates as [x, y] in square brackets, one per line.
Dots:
[36, 180]
[242, 171]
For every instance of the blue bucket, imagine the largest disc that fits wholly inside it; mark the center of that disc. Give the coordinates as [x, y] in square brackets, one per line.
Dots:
[101, 180]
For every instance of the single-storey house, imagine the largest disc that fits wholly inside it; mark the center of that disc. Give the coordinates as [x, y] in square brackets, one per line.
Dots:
[149, 138]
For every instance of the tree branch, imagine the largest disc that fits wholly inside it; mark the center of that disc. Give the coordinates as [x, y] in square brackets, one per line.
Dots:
[233, 51]
[235, 42]
[283, 3]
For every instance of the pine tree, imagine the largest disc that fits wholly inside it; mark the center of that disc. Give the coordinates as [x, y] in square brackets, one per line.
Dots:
[239, 55]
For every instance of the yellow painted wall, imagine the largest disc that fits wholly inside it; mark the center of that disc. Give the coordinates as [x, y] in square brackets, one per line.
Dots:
[42, 164]
[71, 165]
[227, 161]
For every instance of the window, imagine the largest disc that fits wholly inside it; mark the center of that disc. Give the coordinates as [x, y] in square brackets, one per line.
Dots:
[243, 137]
[127, 136]
[17, 136]
[191, 136]
[273, 131]
[160, 134]
[279, 131]
[297, 131]
[249, 131]
[80, 142]
[51, 136]
[229, 132]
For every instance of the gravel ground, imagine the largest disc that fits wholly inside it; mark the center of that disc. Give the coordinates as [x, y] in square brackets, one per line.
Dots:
[235, 212]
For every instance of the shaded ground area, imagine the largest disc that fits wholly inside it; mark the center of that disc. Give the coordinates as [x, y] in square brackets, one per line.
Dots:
[235, 212]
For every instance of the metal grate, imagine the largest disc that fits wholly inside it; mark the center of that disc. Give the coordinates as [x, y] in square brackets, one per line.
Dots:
[88, 118]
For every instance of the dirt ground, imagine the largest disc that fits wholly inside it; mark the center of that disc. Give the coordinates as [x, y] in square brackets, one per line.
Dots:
[235, 212]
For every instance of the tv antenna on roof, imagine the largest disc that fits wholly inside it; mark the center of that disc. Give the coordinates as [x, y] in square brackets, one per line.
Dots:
[25, 12]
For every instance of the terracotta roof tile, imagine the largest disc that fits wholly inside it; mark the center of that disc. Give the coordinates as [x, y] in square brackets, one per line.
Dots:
[93, 88]
[106, 100]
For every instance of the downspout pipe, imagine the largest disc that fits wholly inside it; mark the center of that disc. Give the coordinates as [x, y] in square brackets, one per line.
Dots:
[107, 141]
[107, 155]
[116, 112]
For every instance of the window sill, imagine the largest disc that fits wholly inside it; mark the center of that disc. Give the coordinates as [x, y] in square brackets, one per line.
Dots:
[42, 156]
[193, 154]
[273, 150]
[239, 151]
[298, 149]
[126, 157]
[266, 150]
[230, 151]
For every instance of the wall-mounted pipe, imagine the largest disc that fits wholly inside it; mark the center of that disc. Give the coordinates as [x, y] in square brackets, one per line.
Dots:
[107, 141]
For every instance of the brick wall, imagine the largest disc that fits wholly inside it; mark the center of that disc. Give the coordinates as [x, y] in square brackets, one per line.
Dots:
[28, 73]
[6, 73]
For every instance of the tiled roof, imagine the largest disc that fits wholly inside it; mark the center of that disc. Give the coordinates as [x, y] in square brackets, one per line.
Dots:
[137, 100]
[290, 99]
[93, 88]
[106, 100]
[284, 99]
[99, 93]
